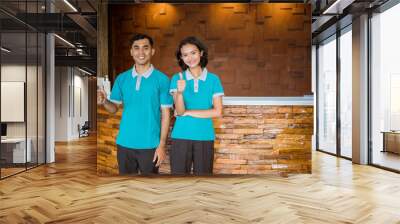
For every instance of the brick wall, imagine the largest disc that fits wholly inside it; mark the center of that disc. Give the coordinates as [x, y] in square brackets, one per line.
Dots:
[249, 140]
[264, 139]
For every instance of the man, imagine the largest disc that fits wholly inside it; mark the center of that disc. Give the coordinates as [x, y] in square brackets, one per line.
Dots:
[143, 92]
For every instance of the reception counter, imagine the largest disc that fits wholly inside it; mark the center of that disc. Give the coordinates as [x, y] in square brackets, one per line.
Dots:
[255, 135]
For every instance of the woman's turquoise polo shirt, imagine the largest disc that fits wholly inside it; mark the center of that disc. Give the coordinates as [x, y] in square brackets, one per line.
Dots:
[198, 95]
[142, 97]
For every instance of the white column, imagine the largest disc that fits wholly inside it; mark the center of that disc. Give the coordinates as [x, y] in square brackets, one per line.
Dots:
[314, 90]
[50, 94]
[360, 90]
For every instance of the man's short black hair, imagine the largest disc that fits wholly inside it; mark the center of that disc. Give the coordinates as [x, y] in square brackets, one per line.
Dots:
[140, 36]
[202, 48]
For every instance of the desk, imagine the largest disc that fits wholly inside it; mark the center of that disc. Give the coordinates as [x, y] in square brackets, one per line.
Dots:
[256, 135]
[16, 147]
[391, 141]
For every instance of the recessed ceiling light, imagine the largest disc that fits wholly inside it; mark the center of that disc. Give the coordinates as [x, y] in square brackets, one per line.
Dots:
[64, 40]
[84, 71]
[5, 50]
[337, 7]
[70, 5]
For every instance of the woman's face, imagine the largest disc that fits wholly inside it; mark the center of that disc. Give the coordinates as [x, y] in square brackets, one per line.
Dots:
[191, 55]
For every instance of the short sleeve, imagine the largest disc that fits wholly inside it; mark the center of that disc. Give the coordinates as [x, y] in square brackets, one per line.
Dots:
[173, 85]
[116, 92]
[218, 90]
[165, 97]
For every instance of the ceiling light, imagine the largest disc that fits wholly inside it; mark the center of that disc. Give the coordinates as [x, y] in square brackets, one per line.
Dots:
[84, 71]
[65, 41]
[70, 5]
[5, 50]
[338, 6]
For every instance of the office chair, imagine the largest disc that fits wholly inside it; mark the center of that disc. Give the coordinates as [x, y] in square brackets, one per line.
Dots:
[84, 130]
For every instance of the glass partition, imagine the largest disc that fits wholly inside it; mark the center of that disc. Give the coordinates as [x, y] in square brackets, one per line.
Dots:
[22, 87]
[327, 95]
[346, 93]
[385, 89]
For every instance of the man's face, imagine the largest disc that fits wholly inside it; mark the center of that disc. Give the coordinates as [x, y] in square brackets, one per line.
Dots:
[142, 51]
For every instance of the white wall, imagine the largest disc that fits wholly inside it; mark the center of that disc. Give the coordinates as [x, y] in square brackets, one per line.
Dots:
[71, 102]
[80, 110]
[61, 103]
[12, 73]
[15, 72]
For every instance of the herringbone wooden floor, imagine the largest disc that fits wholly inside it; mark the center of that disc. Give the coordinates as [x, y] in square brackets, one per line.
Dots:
[71, 192]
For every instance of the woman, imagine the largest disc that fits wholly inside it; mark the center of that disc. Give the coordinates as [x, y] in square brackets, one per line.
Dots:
[198, 98]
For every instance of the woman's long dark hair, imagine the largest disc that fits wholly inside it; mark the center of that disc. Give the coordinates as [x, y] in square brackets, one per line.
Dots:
[202, 48]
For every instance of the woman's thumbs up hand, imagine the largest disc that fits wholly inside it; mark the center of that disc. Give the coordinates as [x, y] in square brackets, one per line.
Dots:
[181, 85]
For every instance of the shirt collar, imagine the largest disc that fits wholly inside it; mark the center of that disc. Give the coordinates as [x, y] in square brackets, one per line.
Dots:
[146, 74]
[202, 77]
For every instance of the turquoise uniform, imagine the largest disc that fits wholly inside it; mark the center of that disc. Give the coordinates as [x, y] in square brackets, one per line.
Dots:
[198, 95]
[142, 97]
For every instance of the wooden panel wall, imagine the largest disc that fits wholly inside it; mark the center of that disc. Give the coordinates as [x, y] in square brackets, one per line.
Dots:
[256, 49]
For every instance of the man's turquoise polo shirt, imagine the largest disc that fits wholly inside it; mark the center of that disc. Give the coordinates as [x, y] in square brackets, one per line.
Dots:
[142, 97]
[198, 95]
